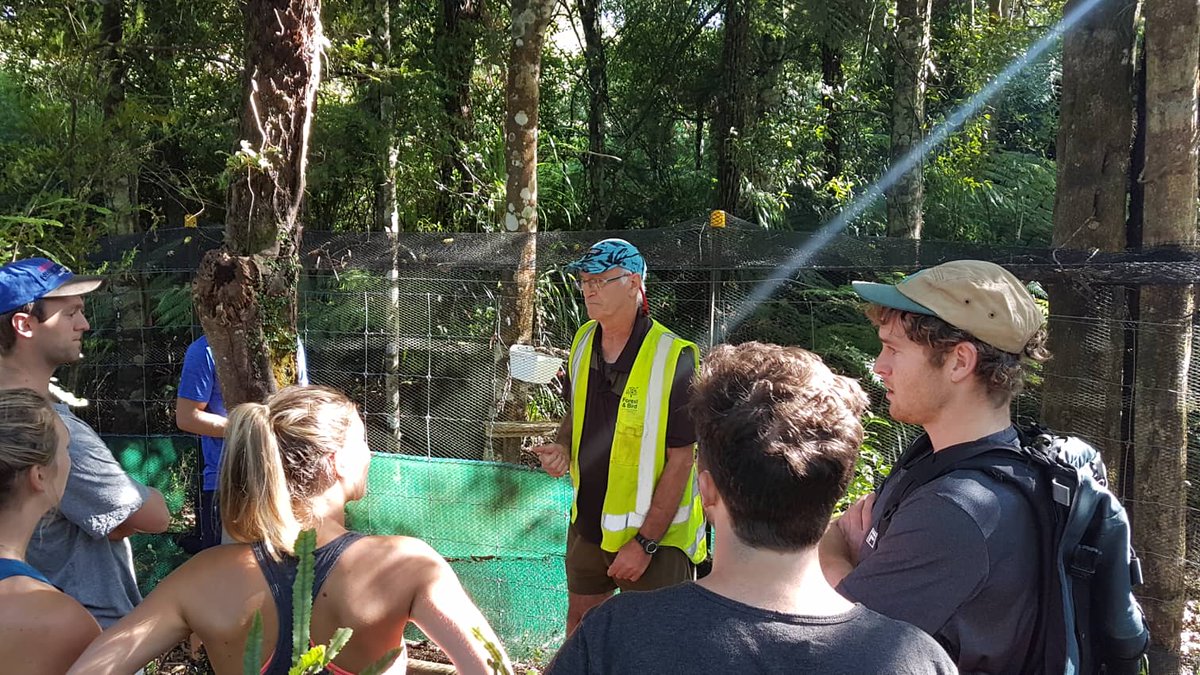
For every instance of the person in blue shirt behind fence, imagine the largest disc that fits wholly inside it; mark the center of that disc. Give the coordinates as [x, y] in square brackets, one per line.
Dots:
[200, 410]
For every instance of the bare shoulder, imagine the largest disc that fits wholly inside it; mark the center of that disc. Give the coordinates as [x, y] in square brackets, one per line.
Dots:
[53, 608]
[398, 550]
[52, 627]
[220, 567]
[395, 557]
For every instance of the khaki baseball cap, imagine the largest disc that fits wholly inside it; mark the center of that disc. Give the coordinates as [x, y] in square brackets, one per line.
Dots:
[978, 297]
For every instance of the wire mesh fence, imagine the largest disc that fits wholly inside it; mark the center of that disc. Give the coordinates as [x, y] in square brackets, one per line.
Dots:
[410, 328]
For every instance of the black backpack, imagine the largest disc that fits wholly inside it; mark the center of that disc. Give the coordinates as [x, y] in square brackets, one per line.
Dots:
[1093, 624]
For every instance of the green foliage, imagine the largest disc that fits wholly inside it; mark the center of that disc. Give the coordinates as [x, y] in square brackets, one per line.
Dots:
[254, 645]
[173, 131]
[495, 655]
[306, 543]
[872, 465]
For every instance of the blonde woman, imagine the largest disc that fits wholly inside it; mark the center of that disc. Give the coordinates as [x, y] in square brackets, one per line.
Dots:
[42, 630]
[292, 464]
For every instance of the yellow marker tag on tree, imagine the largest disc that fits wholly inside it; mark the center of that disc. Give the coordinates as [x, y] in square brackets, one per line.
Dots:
[191, 219]
[716, 219]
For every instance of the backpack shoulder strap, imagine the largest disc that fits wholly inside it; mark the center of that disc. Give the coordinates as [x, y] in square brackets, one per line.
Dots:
[932, 466]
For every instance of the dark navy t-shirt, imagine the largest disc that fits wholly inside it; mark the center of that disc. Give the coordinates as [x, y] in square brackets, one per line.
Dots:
[960, 561]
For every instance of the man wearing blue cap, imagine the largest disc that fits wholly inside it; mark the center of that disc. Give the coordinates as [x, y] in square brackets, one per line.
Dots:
[82, 546]
[627, 440]
[956, 556]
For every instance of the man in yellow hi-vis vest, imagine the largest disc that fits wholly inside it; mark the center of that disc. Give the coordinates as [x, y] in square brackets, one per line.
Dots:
[627, 440]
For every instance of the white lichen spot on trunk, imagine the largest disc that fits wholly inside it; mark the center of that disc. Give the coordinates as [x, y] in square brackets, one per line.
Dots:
[526, 195]
[510, 220]
[521, 118]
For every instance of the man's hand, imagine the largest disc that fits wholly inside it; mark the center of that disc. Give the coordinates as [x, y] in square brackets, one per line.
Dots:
[855, 523]
[631, 563]
[554, 457]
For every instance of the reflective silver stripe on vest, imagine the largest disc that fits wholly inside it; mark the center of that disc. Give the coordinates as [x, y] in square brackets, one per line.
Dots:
[620, 522]
[701, 532]
[653, 421]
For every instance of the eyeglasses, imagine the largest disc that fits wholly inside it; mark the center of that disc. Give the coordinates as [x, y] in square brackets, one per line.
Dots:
[597, 284]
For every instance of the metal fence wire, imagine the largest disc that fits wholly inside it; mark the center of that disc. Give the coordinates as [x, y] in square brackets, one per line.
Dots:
[409, 327]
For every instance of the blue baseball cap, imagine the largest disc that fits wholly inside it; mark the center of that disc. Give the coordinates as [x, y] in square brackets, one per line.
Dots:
[32, 279]
[607, 254]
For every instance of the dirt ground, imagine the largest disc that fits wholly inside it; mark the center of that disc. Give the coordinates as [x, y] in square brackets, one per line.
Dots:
[179, 660]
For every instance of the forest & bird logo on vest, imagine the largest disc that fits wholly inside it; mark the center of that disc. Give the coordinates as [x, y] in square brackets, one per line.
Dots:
[630, 400]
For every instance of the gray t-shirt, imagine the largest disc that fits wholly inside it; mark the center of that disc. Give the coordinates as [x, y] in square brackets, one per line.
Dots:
[688, 629]
[959, 561]
[70, 544]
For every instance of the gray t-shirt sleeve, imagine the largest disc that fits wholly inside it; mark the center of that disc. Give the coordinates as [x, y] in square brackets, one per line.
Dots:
[933, 551]
[99, 495]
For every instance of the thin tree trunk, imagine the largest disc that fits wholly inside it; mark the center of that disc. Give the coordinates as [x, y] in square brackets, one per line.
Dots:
[906, 199]
[733, 106]
[387, 219]
[833, 80]
[387, 215]
[1167, 312]
[530, 19]
[457, 40]
[245, 292]
[1094, 136]
[597, 76]
[121, 186]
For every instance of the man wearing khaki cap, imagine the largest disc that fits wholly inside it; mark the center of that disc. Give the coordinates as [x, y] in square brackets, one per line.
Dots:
[958, 555]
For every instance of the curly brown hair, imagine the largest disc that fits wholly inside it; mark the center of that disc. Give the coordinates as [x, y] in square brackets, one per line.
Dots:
[1003, 373]
[779, 433]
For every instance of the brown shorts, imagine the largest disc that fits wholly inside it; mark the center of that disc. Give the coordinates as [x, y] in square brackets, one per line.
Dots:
[587, 568]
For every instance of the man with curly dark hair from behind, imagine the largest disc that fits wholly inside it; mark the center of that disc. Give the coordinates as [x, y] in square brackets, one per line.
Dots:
[958, 556]
[778, 436]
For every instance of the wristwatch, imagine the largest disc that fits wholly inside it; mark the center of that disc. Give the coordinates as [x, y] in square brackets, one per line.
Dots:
[648, 545]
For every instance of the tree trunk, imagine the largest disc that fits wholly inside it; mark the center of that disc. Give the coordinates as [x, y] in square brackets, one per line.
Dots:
[733, 107]
[245, 292]
[1094, 136]
[387, 216]
[529, 21]
[121, 183]
[832, 79]
[1167, 312]
[597, 77]
[387, 219]
[457, 39]
[910, 69]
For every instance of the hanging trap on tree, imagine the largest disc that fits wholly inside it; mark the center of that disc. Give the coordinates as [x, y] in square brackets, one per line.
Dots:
[526, 364]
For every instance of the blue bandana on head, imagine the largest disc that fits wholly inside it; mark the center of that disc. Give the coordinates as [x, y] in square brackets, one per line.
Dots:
[610, 253]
